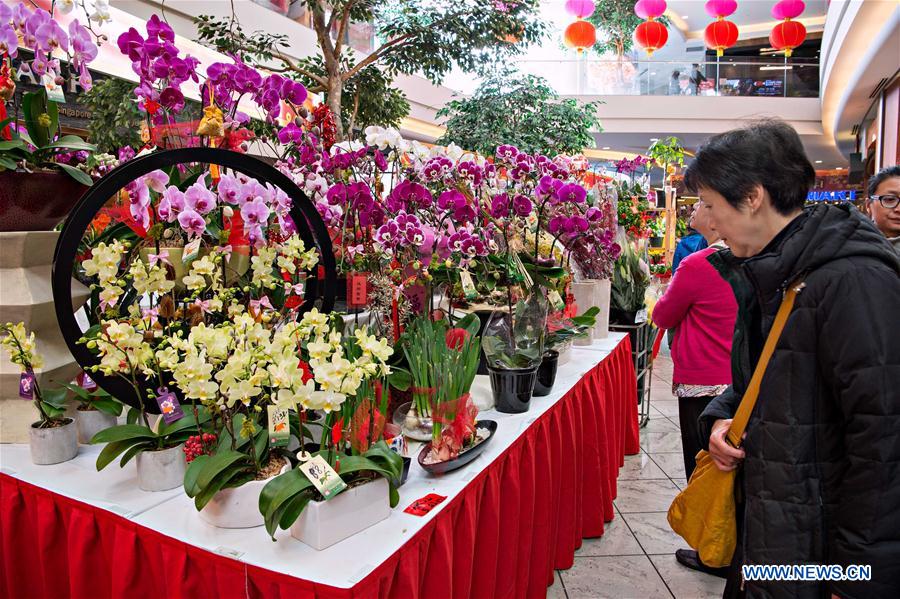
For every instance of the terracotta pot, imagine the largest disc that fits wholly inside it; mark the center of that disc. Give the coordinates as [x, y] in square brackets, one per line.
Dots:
[36, 201]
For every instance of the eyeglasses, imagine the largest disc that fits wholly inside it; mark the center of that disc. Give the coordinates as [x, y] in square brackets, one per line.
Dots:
[887, 200]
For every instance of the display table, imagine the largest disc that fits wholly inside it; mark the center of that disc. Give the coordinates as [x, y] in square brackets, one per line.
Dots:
[514, 514]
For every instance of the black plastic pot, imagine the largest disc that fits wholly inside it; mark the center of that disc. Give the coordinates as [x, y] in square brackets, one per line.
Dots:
[617, 316]
[483, 316]
[403, 475]
[512, 388]
[546, 373]
[656, 242]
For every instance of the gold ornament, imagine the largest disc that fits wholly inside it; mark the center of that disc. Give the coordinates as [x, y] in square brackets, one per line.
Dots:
[212, 124]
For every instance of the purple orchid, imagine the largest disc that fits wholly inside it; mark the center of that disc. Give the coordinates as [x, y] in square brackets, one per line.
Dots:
[157, 180]
[388, 235]
[229, 189]
[409, 195]
[507, 153]
[255, 213]
[192, 223]
[571, 193]
[500, 206]
[290, 134]
[172, 99]
[170, 204]
[380, 161]
[199, 198]
[522, 206]
[471, 171]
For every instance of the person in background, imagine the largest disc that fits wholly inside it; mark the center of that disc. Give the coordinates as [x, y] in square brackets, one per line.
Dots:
[687, 245]
[684, 85]
[818, 471]
[674, 90]
[883, 204]
[697, 77]
[700, 307]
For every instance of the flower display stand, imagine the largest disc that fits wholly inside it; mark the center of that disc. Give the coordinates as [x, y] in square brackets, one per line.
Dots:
[25, 296]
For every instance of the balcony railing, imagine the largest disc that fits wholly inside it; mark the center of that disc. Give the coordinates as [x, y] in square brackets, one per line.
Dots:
[778, 77]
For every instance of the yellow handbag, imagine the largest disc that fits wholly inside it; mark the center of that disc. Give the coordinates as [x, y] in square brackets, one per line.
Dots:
[703, 514]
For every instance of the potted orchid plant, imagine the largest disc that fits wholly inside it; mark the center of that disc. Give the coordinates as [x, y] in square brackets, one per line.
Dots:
[53, 437]
[38, 182]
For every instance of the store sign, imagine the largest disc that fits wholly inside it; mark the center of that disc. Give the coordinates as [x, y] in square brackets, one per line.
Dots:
[72, 113]
[837, 195]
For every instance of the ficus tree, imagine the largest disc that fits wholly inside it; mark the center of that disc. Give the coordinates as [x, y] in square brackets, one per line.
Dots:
[521, 110]
[616, 22]
[417, 36]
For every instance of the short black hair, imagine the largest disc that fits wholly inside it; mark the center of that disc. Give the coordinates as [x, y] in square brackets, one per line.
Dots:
[767, 153]
[881, 176]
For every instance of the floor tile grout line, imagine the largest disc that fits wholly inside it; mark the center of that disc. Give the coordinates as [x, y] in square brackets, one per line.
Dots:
[646, 555]
[563, 584]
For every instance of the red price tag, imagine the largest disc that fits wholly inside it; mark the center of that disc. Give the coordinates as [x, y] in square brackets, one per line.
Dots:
[358, 293]
[422, 506]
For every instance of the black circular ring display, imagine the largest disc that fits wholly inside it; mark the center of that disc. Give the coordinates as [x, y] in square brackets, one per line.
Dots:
[309, 223]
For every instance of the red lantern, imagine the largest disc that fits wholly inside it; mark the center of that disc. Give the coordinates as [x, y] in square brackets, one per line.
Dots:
[580, 35]
[720, 35]
[651, 36]
[787, 36]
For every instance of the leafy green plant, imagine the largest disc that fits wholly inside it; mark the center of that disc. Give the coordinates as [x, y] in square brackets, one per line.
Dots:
[40, 142]
[629, 282]
[667, 152]
[128, 440]
[116, 119]
[285, 497]
[519, 110]
[617, 20]
[560, 333]
[515, 339]
[98, 400]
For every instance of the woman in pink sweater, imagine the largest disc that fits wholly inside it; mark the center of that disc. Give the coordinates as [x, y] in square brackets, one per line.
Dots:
[700, 306]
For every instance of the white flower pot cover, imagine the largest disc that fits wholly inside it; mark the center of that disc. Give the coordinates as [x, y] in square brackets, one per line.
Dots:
[91, 422]
[324, 523]
[585, 299]
[161, 470]
[53, 445]
[237, 507]
[602, 294]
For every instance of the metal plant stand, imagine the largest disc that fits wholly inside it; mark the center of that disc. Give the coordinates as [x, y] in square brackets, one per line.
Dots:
[642, 336]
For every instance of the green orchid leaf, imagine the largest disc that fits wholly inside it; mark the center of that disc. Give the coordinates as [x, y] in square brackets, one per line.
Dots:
[13, 144]
[132, 452]
[124, 432]
[116, 448]
[217, 484]
[55, 397]
[107, 405]
[292, 509]
[276, 493]
[78, 390]
[192, 473]
[219, 463]
[79, 175]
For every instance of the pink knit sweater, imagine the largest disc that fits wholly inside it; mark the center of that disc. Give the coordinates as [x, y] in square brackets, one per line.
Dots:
[700, 306]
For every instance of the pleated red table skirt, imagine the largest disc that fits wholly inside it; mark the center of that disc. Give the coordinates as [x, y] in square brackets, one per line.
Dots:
[502, 536]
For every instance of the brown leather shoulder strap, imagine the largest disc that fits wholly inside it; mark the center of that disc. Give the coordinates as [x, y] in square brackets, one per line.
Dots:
[742, 416]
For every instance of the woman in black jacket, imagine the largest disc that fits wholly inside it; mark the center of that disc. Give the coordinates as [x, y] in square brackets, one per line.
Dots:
[819, 468]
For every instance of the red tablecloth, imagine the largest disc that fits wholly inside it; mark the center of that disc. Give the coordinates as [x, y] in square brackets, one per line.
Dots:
[525, 515]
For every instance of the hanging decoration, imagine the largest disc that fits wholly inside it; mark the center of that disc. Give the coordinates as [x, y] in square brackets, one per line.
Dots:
[651, 35]
[720, 34]
[788, 34]
[580, 34]
[580, 9]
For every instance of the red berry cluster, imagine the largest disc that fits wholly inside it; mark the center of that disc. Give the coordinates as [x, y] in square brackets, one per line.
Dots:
[199, 445]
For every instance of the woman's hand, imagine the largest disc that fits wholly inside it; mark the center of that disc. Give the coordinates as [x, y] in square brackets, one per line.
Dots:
[726, 457]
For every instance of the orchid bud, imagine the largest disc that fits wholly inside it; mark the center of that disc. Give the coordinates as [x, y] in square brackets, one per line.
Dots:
[227, 212]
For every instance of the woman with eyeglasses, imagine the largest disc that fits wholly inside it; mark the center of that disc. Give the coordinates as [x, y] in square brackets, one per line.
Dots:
[884, 204]
[818, 471]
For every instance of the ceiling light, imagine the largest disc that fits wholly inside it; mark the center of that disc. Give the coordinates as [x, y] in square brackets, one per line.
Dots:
[654, 139]
[818, 162]
[684, 16]
[605, 147]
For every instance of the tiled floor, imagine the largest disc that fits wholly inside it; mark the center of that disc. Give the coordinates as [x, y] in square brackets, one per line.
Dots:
[635, 558]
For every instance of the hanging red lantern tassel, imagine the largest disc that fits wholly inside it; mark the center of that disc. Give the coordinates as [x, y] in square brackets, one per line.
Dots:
[720, 35]
[651, 36]
[787, 36]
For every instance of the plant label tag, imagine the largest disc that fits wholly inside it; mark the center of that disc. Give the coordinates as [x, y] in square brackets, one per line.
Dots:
[556, 300]
[468, 285]
[26, 385]
[422, 506]
[87, 383]
[323, 477]
[191, 251]
[54, 91]
[641, 316]
[169, 406]
[279, 428]
[358, 292]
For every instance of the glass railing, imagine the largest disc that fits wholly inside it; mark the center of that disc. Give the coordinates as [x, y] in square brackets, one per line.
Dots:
[772, 77]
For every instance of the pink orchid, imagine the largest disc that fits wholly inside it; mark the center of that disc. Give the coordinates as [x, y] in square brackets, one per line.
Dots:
[199, 198]
[192, 223]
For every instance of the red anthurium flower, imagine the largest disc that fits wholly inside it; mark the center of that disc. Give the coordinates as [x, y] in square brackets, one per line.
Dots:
[337, 431]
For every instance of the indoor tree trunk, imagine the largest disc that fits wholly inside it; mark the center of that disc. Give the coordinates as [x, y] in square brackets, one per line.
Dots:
[335, 89]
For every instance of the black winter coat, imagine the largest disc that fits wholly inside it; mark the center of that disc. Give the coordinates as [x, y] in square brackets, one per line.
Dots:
[821, 478]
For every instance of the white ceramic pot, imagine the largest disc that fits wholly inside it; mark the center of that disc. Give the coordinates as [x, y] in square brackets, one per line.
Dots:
[161, 470]
[237, 507]
[91, 422]
[324, 523]
[584, 292]
[53, 445]
[602, 291]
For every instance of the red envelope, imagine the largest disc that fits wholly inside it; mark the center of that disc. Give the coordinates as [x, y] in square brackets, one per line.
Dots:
[422, 506]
